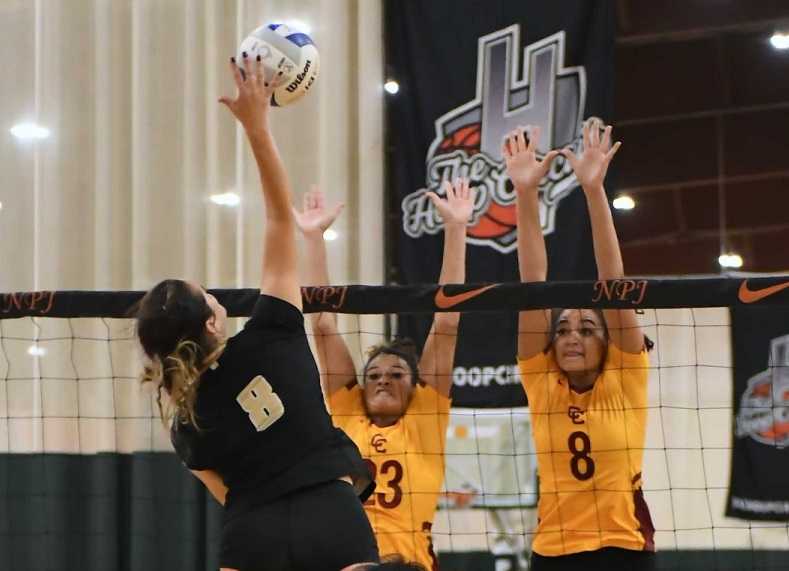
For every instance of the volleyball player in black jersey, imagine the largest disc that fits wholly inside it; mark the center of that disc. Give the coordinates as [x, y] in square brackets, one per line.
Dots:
[248, 416]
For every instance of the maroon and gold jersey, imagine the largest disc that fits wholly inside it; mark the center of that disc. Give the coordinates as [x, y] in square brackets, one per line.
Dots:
[589, 455]
[407, 459]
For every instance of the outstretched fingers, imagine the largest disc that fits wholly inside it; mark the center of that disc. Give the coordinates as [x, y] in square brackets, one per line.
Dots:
[606, 140]
[594, 133]
[534, 138]
[521, 142]
[511, 143]
[336, 211]
[505, 149]
[568, 154]
[610, 154]
[246, 63]
[448, 188]
[237, 78]
[585, 131]
[548, 159]
[260, 72]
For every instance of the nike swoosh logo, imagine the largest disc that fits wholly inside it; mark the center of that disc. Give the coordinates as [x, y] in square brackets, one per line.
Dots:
[747, 295]
[444, 301]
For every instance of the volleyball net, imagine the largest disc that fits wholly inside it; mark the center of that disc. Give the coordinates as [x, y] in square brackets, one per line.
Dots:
[88, 477]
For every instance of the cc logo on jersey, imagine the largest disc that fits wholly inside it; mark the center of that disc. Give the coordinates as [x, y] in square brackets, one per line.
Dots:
[575, 415]
[378, 443]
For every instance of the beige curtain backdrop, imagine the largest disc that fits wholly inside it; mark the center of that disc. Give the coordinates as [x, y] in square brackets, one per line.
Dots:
[117, 196]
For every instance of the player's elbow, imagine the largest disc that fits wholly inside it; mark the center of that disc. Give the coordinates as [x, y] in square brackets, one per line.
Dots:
[324, 324]
[447, 323]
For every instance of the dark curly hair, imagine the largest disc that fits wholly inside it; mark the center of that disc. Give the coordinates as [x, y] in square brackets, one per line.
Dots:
[401, 347]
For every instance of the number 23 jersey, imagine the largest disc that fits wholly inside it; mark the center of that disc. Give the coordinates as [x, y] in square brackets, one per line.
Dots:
[407, 460]
[589, 455]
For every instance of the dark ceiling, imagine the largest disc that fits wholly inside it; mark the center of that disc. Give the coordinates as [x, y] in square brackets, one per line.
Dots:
[702, 109]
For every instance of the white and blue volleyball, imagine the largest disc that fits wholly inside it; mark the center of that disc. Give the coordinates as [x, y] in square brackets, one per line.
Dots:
[285, 49]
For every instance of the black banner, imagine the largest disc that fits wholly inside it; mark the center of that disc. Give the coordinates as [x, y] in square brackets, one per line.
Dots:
[759, 487]
[470, 71]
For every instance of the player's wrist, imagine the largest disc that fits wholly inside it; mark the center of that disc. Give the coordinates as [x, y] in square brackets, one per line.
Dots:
[455, 226]
[313, 234]
[593, 189]
[525, 187]
[258, 131]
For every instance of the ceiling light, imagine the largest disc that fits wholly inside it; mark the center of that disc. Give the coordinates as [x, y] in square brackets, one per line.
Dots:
[330, 235]
[36, 351]
[780, 41]
[226, 199]
[730, 260]
[624, 202]
[391, 86]
[27, 131]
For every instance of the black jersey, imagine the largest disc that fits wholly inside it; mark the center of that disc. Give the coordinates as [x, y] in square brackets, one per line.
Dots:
[262, 421]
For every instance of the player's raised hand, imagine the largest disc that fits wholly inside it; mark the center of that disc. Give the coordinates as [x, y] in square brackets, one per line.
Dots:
[458, 205]
[252, 102]
[520, 156]
[315, 217]
[591, 165]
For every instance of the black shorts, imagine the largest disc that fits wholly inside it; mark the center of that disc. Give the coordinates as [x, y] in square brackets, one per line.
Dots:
[605, 559]
[321, 528]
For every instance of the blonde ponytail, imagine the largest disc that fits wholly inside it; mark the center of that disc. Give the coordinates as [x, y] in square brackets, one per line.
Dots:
[178, 375]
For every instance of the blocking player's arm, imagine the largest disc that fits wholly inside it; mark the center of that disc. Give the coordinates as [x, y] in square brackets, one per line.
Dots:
[526, 172]
[590, 169]
[334, 359]
[213, 482]
[438, 356]
[251, 107]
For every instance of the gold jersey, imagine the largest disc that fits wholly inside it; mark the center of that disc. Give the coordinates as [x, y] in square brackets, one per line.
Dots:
[589, 455]
[407, 460]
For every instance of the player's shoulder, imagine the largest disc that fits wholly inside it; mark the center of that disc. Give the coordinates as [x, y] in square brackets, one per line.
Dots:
[539, 373]
[426, 394]
[273, 314]
[347, 400]
[620, 360]
[241, 351]
[541, 362]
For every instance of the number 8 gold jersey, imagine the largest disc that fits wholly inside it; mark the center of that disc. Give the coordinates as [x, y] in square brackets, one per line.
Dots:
[590, 448]
[407, 460]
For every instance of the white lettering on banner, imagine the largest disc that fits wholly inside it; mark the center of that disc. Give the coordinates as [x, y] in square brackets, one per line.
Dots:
[760, 506]
[515, 87]
[485, 376]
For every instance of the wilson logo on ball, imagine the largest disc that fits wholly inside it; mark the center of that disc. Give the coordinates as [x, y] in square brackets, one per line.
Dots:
[468, 138]
[300, 77]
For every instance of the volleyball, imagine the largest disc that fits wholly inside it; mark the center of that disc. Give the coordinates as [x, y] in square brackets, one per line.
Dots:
[282, 48]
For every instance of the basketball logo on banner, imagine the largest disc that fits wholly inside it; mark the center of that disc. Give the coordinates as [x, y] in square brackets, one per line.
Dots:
[764, 406]
[469, 138]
